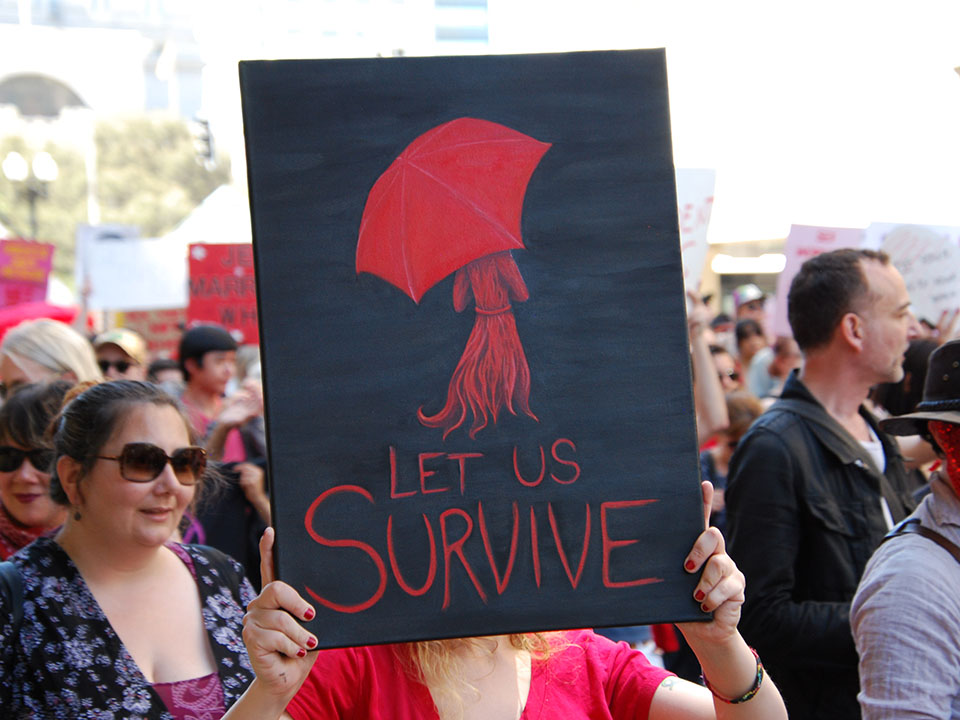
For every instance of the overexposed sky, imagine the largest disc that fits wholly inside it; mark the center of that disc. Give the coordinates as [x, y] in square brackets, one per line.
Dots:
[822, 113]
[837, 113]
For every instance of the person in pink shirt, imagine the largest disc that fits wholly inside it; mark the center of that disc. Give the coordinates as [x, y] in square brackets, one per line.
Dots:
[559, 675]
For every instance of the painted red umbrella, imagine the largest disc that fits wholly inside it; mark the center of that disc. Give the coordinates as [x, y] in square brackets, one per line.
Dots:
[451, 202]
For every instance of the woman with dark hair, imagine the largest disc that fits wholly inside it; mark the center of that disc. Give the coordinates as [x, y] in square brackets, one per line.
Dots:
[26, 456]
[117, 621]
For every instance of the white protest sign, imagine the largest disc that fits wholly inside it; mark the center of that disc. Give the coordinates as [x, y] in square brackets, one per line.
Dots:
[88, 234]
[143, 274]
[928, 257]
[694, 203]
[803, 243]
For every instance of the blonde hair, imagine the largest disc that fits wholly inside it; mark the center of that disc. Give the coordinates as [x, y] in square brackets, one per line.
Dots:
[53, 345]
[436, 663]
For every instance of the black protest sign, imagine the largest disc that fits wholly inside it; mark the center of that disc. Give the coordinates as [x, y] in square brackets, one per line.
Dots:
[474, 342]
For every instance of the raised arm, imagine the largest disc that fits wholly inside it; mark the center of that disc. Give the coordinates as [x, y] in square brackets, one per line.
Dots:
[711, 407]
[739, 689]
[278, 646]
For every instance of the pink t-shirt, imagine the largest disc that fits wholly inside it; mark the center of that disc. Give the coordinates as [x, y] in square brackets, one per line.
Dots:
[592, 678]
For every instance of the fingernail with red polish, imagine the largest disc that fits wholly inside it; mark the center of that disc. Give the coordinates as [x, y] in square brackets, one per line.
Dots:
[301, 652]
[698, 595]
[311, 642]
[704, 607]
[689, 564]
[309, 614]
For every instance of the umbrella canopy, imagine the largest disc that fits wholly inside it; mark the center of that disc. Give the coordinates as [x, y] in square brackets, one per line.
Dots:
[455, 194]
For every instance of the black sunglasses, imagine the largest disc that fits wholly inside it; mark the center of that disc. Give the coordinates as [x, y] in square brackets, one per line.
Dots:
[121, 365]
[732, 374]
[143, 462]
[11, 458]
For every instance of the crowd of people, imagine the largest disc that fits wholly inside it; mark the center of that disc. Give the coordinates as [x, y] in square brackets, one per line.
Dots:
[134, 500]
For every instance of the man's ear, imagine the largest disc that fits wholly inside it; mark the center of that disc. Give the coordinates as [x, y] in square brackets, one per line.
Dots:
[851, 329]
[69, 471]
[191, 365]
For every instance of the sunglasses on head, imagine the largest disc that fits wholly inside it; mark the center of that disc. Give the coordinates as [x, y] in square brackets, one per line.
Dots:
[143, 462]
[11, 458]
[121, 365]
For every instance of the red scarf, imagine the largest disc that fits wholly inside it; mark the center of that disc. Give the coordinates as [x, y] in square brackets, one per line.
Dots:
[14, 536]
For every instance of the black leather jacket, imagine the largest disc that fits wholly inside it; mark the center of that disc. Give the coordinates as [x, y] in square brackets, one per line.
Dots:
[803, 517]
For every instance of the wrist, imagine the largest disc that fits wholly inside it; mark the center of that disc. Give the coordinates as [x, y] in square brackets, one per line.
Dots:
[259, 702]
[743, 697]
[729, 664]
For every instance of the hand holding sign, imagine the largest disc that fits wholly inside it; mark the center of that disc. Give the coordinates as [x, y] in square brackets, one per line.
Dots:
[277, 645]
[721, 586]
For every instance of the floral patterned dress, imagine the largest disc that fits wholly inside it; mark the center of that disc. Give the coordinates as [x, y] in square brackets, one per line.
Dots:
[66, 660]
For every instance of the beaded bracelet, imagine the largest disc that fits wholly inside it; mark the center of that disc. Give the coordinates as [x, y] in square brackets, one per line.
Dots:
[749, 693]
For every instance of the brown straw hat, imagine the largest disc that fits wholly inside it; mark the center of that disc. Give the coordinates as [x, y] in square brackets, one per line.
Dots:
[941, 395]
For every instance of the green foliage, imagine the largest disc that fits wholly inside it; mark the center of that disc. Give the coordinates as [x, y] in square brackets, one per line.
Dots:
[148, 175]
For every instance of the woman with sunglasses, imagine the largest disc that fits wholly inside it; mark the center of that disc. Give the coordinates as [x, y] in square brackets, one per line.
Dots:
[117, 620]
[26, 509]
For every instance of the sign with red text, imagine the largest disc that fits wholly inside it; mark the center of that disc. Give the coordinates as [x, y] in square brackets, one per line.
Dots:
[694, 204]
[803, 243]
[928, 257]
[24, 270]
[160, 328]
[474, 342]
[223, 289]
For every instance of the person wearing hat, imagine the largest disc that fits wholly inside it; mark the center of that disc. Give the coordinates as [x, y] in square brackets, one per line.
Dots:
[749, 301]
[905, 615]
[121, 354]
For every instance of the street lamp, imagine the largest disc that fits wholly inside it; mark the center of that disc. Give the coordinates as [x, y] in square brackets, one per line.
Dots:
[33, 185]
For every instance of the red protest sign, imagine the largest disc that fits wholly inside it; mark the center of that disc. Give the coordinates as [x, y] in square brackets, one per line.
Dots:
[160, 328]
[223, 290]
[24, 269]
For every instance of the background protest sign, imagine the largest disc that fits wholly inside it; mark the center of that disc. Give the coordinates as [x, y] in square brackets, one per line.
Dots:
[419, 489]
[160, 328]
[24, 271]
[803, 243]
[223, 289]
[694, 204]
[135, 274]
[929, 260]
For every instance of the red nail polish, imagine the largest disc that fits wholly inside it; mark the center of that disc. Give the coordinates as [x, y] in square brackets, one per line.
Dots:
[698, 595]
[689, 564]
[311, 642]
[309, 614]
[301, 652]
[704, 608]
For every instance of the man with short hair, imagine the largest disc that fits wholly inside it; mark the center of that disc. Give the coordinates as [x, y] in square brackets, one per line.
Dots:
[121, 354]
[207, 358]
[815, 485]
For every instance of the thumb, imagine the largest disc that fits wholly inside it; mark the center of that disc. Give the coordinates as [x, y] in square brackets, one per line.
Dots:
[267, 574]
[707, 488]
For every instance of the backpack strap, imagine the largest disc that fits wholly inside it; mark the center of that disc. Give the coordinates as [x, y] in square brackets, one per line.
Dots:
[11, 587]
[912, 526]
